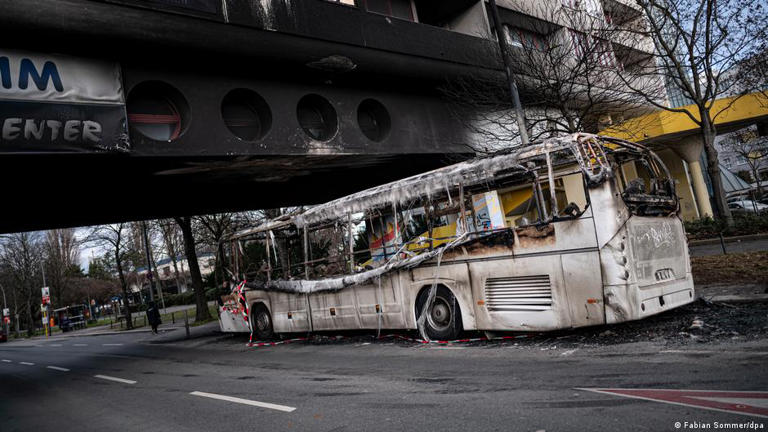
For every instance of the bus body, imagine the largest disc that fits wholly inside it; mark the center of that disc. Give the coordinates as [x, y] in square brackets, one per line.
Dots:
[554, 236]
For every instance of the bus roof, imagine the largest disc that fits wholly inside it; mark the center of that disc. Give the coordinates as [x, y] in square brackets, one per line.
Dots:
[433, 182]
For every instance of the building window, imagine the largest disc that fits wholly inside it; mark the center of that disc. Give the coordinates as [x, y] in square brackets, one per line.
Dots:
[523, 38]
[589, 6]
[580, 45]
[599, 51]
[728, 162]
[402, 9]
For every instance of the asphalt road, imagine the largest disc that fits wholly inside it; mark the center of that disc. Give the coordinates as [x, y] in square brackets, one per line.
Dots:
[132, 382]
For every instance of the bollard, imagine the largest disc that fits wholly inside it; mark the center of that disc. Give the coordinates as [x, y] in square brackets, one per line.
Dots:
[173, 318]
[722, 243]
[186, 322]
[110, 323]
[145, 320]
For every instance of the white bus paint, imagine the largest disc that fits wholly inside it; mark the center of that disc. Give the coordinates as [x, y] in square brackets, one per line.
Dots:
[244, 401]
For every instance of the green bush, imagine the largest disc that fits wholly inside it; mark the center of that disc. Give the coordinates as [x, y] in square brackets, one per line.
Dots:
[744, 224]
[184, 298]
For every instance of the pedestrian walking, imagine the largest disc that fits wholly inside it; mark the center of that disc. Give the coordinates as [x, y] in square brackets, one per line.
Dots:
[153, 315]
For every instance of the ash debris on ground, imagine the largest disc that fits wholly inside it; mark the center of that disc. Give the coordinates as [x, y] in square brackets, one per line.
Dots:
[696, 323]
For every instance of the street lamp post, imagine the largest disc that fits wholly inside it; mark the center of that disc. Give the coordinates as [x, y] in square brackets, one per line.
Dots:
[149, 263]
[510, 77]
[5, 306]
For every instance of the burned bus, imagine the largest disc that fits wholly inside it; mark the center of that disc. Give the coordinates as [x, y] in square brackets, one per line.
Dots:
[549, 236]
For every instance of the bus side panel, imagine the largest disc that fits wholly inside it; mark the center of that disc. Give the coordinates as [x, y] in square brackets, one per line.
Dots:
[584, 288]
[520, 294]
[335, 310]
[387, 296]
[289, 312]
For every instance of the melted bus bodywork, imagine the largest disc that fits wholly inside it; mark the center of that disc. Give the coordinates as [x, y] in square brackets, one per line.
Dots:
[552, 236]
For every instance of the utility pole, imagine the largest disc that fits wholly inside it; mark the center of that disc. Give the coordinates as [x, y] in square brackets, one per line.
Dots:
[45, 306]
[519, 114]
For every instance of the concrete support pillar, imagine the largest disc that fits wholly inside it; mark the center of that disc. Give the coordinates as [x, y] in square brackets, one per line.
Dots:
[690, 149]
[700, 189]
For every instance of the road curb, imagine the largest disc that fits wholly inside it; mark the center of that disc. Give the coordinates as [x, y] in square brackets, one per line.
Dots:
[736, 298]
[732, 239]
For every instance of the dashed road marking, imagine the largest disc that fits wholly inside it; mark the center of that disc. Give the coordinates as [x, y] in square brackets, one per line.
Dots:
[569, 352]
[58, 368]
[7, 361]
[112, 344]
[244, 401]
[79, 344]
[111, 378]
[27, 363]
[55, 345]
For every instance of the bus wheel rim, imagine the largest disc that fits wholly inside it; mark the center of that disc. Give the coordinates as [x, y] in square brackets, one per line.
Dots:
[439, 315]
[262, 321]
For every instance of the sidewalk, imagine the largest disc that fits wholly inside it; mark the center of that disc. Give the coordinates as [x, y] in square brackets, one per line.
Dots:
[732, 293]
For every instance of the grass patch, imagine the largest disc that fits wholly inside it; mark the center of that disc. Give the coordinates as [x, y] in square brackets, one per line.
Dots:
[748, 267]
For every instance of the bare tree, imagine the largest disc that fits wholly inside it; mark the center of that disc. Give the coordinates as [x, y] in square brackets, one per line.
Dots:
[216, 227]
[185, 223]
[173, 244]
[62, 249]
[697, 42]
[21, 255]
[567, 67]
[114, 237]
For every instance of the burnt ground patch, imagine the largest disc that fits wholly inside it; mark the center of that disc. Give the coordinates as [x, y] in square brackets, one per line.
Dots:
[697, 323]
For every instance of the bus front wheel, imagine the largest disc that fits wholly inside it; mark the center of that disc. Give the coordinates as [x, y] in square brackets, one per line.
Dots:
[261, 321]
[443, 320]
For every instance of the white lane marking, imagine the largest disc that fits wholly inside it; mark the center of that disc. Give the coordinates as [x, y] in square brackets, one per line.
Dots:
[7, 361]
[79, 344]
[244, 401]
[58, 368]
[676, 351]
[569, 352]
[112, 344]
[110, 378]
[27, 363]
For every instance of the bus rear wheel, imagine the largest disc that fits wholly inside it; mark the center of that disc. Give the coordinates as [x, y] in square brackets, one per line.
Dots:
[443, 320]
[261, 321]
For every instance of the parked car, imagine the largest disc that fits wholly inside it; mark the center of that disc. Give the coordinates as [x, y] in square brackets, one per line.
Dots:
[747, 206]
[3, 337]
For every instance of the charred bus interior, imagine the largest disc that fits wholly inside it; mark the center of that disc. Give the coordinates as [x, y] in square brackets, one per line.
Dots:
[550, 185]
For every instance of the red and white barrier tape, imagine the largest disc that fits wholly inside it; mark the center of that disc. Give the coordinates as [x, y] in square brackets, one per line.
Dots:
[287, 341]
[396, 336]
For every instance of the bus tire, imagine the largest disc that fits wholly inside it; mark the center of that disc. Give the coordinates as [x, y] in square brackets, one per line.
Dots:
[443, 321]
[261, 321]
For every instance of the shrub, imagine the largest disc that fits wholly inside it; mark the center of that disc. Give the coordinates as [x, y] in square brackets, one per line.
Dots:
[744, 224]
